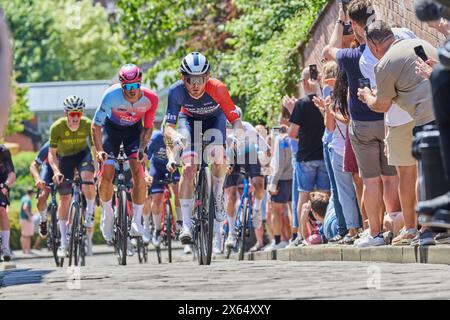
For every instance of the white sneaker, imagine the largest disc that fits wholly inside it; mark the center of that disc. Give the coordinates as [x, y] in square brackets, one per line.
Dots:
[231, 241]
[156, 239]
[294, 243]
[274, 246]
[220, 212]
[89, 223]
[137, 230]
[147, 236]
[283, 244]
[62, 252]
[130, 249]
[107, 226]
[186, 235]
[371, 241]
[187, 249]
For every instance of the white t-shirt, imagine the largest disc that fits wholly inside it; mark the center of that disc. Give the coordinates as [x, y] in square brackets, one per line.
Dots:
[338, 142]
[395, 116]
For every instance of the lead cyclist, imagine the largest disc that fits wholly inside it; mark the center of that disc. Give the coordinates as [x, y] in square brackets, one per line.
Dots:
[201, 104]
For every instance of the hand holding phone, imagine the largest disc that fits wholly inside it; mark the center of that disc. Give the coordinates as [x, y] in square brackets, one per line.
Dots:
[313, 72]
[364, 83]
[420, 52]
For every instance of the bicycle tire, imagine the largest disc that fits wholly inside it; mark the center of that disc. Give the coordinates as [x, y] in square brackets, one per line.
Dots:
[122, 228]
[158, 255]
[140, 249]
[82, 240]
[207, 218]
[74, 213]
[53, 233]
[168, 226]
[243, 229]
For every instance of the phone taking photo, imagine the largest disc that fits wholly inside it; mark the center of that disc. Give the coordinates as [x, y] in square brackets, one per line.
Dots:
[313, 72]
[364, 83]
[420, 52]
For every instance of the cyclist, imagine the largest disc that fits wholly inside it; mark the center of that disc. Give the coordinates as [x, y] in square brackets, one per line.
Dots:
[69, 151]
[7, 178]
[202, 103]
[157, 155]
[118, 120]
[42, 178]
[254, 144]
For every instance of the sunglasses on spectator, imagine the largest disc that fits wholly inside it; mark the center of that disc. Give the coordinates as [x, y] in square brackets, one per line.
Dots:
[131, 86]
[195, 80]
[74, 114]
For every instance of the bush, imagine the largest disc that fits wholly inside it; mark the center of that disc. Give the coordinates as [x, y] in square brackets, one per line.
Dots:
[24, 180]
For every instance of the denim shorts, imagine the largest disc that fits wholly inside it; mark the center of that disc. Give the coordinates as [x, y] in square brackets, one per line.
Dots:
[312, 175]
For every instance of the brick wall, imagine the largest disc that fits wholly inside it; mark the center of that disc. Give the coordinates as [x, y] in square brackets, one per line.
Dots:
[399, 12]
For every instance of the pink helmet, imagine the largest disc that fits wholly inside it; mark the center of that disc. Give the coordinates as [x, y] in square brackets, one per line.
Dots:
[130, 73]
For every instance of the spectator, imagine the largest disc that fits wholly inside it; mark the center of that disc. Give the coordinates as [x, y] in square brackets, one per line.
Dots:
[307, 125]
[5, 75]
[329, 79]
[398, 82]
[366, 130]
[280, 183]
[7, 178]
[312, 218]
[26, 221]
[337, 124]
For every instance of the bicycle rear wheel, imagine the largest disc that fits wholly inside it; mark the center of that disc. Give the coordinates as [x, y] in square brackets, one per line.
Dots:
[82, 240]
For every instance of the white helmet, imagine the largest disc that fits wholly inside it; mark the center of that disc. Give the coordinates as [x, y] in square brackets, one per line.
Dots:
[74, 103]
[194, 64]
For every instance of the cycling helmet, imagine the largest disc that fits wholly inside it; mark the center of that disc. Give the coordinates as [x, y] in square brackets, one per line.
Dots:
[130, 73]
[194, 64]
[74, 103]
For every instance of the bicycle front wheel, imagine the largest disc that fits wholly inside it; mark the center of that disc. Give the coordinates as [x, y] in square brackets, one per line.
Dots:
[243, 229]
[206, 219]
[122, 229]
[168, 227]
[74, 213]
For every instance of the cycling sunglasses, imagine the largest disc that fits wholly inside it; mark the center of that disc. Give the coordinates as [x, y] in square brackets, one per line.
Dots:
[195, 80]
[74, 114]
[131, 86]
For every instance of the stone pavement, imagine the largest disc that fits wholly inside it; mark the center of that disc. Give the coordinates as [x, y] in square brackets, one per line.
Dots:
[102, 278]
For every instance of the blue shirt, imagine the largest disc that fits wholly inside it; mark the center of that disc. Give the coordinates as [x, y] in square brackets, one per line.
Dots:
[157, 149]
[348, 60]
[42, 156]
[25, 200]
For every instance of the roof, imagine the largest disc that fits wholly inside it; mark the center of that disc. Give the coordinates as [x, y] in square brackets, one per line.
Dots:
[48, 96]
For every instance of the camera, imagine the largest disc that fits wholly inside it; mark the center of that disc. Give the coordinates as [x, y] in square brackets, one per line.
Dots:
[313, 72]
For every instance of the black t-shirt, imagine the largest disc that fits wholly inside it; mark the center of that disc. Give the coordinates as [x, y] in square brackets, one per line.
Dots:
[310, 120]
[6, 164]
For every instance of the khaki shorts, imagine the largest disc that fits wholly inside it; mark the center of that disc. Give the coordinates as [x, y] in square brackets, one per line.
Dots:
[367, 138]
[26, 228]
[399, 145]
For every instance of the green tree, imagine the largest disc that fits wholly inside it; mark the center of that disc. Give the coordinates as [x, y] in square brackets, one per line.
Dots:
[61, 40]
[19, 111]
[252, 44]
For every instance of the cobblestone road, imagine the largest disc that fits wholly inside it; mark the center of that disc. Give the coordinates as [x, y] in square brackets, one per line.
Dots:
[102, 278]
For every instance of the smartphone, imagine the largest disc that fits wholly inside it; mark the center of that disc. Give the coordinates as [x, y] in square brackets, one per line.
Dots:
[364, 83]
[348, 30]
[420, 52]
[313, 72]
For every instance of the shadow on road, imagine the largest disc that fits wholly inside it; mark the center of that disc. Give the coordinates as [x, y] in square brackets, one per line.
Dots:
[21, 276]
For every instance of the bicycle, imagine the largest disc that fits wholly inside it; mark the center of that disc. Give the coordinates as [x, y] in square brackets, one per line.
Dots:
[7, 203]
[169, 227]
[121, 222]
[243, 217]
[78, 237]
[204, 212]
[54, 235]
